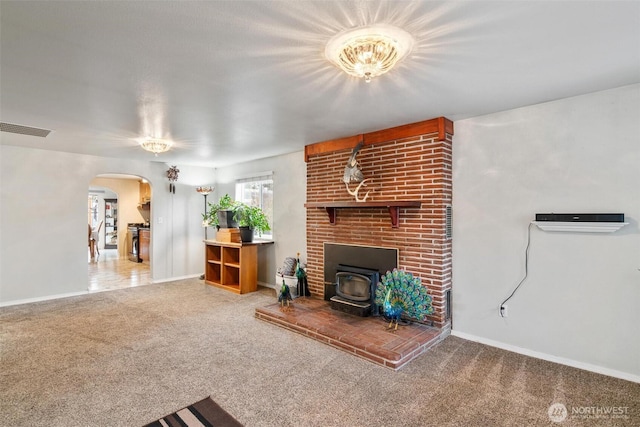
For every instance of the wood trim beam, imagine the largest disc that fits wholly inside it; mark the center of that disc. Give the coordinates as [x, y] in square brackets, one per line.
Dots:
[445, 126]
[332, 145]
[440, 126]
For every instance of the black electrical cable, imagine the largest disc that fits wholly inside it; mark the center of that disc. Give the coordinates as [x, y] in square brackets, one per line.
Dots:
[526, 269]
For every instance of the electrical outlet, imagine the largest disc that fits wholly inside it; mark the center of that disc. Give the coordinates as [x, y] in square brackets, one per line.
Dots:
[503, 310]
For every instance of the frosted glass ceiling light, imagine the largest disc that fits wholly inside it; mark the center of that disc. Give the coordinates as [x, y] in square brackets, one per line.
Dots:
[156, 145]
[369, 51]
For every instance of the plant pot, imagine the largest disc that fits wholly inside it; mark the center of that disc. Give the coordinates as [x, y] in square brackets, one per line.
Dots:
[225, 219]
[246, 234]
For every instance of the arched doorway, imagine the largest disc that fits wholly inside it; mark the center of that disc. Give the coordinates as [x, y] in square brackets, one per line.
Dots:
[118, 201]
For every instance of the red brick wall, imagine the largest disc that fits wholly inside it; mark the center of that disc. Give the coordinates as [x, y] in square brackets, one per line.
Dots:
[416, 168]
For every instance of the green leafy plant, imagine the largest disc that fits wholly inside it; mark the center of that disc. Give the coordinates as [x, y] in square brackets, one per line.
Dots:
[253, 218]
[226, 203]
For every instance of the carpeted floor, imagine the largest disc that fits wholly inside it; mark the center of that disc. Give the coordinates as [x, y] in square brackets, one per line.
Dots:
[128, 357]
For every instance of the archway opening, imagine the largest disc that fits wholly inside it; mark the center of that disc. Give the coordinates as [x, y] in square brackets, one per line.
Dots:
[118, 207]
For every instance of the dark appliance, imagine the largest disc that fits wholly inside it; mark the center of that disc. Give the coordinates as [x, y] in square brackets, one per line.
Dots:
[355, 290]
[580, 217]
[133, 242]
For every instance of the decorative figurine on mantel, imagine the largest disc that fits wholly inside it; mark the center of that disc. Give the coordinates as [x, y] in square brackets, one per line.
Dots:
[285, 295]
[352, 173]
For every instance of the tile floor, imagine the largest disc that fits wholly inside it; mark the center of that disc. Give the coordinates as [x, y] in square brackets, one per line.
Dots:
[366, 337]
[108, 272]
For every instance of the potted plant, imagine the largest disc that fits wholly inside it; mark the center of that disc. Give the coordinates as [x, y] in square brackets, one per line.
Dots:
[223, 213]
[251, 219]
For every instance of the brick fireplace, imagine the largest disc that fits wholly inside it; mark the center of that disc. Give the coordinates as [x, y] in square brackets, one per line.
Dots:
[407, 208]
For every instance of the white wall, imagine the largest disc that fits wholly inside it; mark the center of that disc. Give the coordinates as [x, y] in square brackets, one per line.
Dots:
[289, 213]
[579, 304]
[43, 215]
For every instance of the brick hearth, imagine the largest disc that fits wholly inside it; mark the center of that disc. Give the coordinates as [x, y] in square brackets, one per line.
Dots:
[365, 337]
[409, 165]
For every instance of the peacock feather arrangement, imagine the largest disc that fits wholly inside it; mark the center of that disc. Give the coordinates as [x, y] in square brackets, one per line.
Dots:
[400, 292]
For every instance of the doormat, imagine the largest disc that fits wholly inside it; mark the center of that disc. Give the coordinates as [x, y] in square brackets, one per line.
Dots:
[203, 413]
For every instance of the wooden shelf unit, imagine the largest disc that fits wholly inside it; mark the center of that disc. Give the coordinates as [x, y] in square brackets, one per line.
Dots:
[231, 266]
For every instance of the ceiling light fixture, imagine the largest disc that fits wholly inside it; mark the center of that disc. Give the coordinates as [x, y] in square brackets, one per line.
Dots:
[369, 51]
[156, 145]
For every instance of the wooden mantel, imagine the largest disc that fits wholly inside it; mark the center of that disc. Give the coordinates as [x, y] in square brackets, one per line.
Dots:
[393, 206]
[440, 126]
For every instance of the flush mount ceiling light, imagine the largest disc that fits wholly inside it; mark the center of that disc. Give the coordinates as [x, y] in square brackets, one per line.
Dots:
[156, 145]
[369, 51]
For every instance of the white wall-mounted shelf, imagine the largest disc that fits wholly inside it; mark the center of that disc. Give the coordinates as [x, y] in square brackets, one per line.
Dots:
[580, 227]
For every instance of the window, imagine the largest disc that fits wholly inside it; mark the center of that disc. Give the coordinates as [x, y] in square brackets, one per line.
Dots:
[258, 191]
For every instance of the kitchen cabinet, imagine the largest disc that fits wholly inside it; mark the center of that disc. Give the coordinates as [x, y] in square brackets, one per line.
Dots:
[144, 238]
[145, 193]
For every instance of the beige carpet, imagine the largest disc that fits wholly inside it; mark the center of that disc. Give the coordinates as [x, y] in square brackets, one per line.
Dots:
[128, 357]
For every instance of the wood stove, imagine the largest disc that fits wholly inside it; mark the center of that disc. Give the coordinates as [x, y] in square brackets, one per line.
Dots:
[355, 290]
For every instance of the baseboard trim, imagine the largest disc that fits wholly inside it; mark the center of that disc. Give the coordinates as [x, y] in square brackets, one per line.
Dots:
[44, 298]
[173, 279]
[548, 357]
[269, 285]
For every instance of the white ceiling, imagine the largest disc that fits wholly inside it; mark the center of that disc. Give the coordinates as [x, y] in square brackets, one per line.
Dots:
[232, 81]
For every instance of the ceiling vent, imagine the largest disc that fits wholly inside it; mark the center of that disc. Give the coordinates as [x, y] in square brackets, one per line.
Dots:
[24, 130]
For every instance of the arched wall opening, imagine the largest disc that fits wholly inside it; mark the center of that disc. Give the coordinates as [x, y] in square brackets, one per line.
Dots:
[133, 196]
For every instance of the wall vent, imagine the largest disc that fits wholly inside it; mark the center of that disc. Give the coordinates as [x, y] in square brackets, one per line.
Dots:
[448, 222]
[24, 130]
